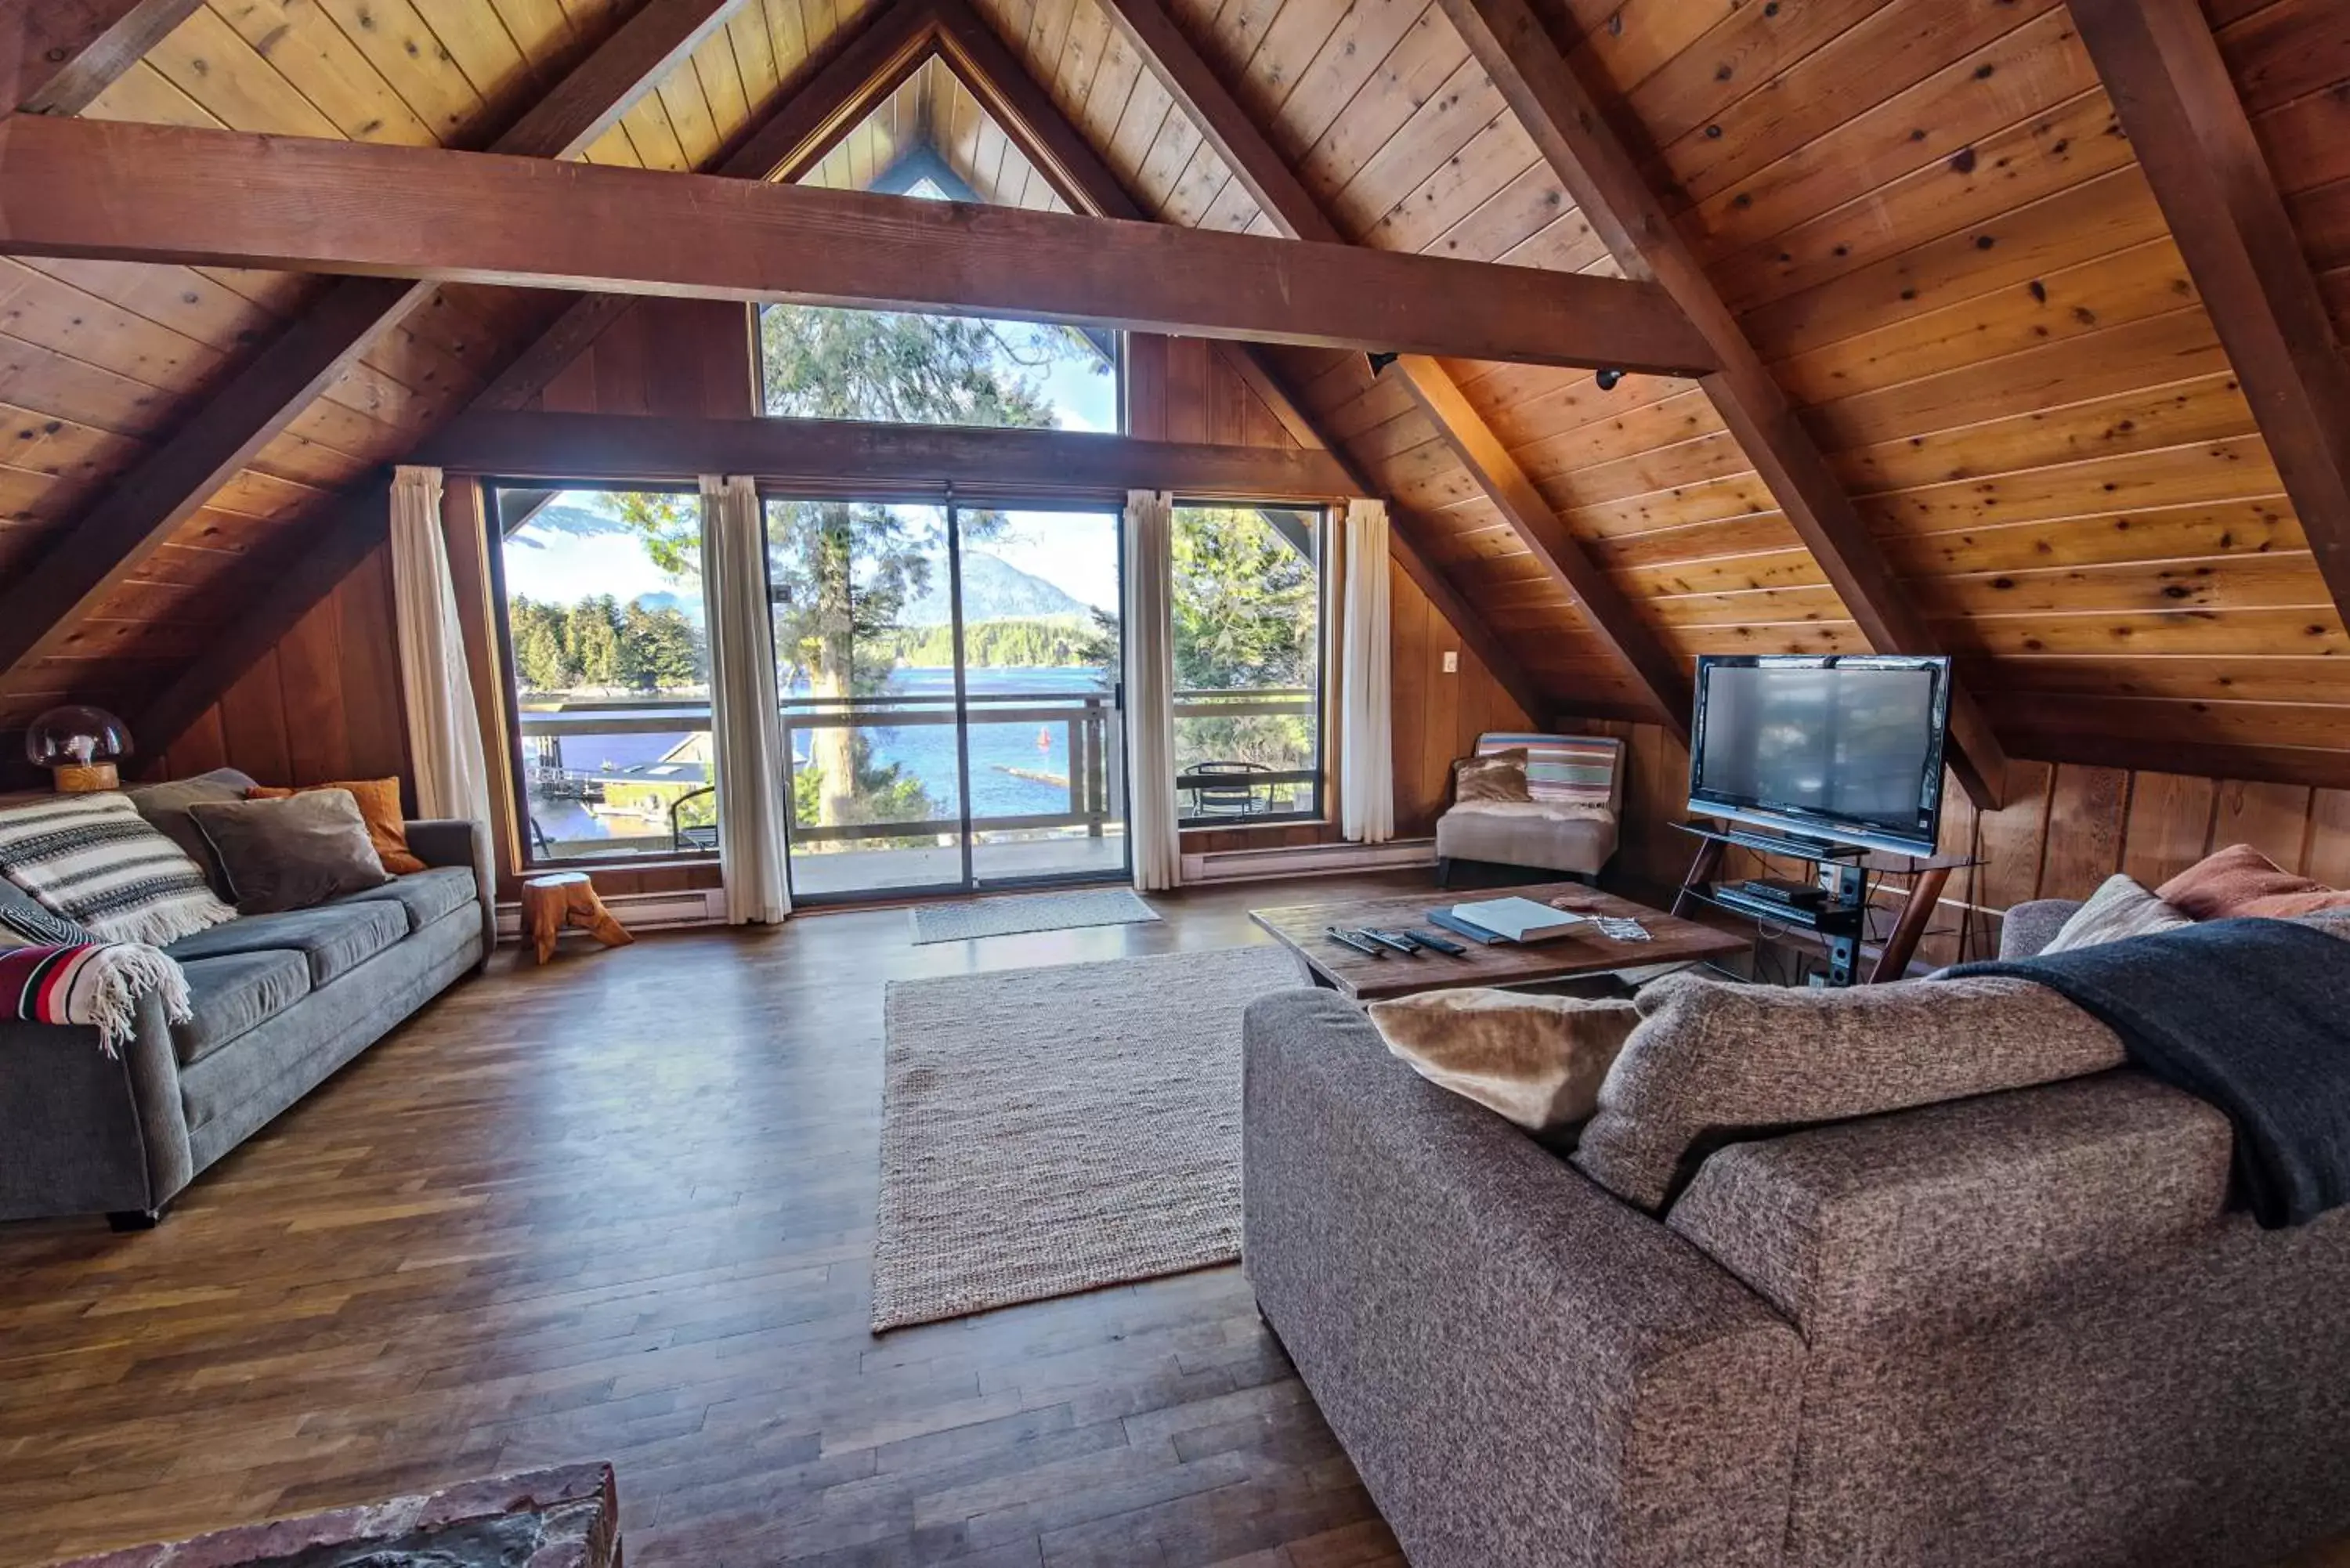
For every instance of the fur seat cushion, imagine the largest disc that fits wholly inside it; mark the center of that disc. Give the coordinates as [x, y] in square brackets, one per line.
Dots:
[1537, 1060]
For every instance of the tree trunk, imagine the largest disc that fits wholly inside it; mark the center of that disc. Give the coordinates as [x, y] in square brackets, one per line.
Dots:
[832, 747]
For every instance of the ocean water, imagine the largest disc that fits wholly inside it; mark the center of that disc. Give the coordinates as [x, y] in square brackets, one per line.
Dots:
[1012, 761]
[1003, 755]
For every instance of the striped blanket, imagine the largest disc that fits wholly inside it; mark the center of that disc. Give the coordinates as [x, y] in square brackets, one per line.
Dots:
[93, 859]
[51, 971]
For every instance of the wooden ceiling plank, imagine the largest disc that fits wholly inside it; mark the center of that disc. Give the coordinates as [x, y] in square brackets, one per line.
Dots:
[1084, 178]
[842, 82]
[137, 516]
[57, 56]
[831, 91]
[2171, 86]
[152, 192]
[1600, 173]
[1285, 198]
[299, 576]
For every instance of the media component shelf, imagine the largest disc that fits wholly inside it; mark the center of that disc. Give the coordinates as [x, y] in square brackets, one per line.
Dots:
[1831, 905]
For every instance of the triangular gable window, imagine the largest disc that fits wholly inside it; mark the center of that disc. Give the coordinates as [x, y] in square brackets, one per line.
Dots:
[932, 139]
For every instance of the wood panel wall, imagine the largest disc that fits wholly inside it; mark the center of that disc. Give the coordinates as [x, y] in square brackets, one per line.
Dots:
[325, 703]
[2064, 831]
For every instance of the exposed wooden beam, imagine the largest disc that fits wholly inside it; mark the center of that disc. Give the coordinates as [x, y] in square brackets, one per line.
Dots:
[1599, 171]
[1085, 181]
[1284, 198]
[136, 516]
[868, 65]
[148, 192]
[2178, 105]
[57, 56]
[833, 452]
[1610, 614]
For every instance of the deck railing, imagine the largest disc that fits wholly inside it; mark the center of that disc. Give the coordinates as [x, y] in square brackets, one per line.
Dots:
[1085, 722]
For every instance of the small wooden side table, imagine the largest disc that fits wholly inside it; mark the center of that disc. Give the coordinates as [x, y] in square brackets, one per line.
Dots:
[567, 899]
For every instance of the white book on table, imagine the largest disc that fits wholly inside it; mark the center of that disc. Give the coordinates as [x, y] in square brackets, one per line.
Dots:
[1519, 919]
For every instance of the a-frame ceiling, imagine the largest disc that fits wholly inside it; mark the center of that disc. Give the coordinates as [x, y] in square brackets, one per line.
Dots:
[1923, 215]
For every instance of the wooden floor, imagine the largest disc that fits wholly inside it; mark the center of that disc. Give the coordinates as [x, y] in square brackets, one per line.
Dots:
[622, 1206]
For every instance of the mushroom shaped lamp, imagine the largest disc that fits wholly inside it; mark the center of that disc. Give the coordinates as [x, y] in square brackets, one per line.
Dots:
[80, 745]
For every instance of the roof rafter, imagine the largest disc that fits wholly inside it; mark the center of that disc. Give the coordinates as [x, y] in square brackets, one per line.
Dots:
[57, 56]
[1574, 137]
[356, 524]
[1085, 181]
[2180, 106]
[1284, 198]
[136, 517]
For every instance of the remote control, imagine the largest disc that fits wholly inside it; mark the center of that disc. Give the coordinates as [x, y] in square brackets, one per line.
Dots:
[1351, 939]
[1389, 940]
[1434, 943]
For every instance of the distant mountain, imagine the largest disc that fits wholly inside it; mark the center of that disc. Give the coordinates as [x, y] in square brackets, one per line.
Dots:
[992, 589]
[687, 605]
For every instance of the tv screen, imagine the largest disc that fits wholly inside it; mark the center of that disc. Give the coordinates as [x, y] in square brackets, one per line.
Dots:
[1842, 748]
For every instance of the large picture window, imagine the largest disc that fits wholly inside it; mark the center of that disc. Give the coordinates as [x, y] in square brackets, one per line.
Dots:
[611, 666]
[900, 367]
[1248, 597]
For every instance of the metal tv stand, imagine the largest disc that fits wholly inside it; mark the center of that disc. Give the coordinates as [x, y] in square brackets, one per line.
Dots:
[1839, 923]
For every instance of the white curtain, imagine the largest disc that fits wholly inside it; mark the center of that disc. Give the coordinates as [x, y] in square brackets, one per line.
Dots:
[1367, 757]
[1150, 690]
[444, 731]
[746, 725]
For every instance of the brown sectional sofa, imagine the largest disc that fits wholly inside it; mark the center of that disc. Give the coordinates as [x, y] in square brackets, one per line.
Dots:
[2023, 1327]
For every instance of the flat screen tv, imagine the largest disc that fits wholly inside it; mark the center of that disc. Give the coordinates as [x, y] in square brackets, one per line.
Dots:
[1847, 749]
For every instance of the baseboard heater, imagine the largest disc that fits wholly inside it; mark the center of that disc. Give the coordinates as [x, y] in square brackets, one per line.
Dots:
[1307, 860]
[642, 911]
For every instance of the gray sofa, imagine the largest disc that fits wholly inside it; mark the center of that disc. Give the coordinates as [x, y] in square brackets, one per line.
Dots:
[2020, 1328]
[279, 1000]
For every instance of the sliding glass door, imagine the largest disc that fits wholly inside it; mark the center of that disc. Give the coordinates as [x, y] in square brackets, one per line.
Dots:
[949, 677]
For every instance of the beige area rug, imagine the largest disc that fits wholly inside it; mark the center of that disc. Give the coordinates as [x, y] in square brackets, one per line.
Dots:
[1051, 1130]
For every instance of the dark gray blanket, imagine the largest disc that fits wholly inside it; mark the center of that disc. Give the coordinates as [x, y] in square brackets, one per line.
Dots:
[2251, 1015]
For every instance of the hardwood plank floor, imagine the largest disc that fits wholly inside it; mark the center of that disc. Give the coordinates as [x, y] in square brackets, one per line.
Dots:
[621, 1207]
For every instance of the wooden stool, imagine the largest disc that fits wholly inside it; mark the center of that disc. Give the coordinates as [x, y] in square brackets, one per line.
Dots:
[563, 899]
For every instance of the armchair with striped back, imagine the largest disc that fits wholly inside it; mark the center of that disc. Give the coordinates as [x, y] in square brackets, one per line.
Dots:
[1576, 785]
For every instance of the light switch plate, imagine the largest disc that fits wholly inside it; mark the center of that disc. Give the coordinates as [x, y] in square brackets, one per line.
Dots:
[1452, 661]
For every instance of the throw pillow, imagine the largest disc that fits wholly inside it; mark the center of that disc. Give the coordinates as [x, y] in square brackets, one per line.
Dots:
[93, 859]
[2241, 881]
[2120, 910]
[1714, 1062]
[166, 805]
[1495, 776]
[1537, 1060]
[293, 852]
[380, 807]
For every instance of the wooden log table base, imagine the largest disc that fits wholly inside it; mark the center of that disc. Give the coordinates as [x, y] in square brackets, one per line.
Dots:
[563, 1518]
[567, 899]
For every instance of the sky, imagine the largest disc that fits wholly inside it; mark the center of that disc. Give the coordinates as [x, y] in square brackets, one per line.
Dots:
[1075, 551]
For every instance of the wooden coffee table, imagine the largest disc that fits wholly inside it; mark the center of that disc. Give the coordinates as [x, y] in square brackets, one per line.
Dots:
[1581, 951]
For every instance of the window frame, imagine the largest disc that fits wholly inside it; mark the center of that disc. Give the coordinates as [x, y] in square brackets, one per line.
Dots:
[527, 859]
[1324, 779]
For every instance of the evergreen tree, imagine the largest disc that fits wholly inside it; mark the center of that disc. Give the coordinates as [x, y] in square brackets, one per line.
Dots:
[844, 573]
